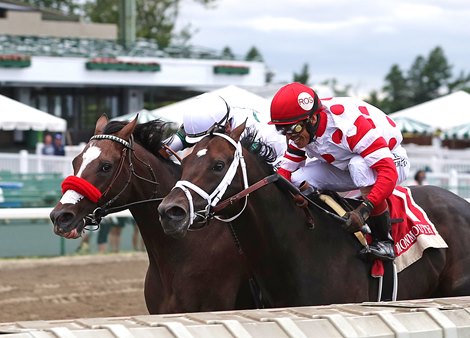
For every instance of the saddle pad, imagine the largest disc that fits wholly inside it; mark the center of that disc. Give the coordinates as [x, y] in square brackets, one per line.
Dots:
[415, 234]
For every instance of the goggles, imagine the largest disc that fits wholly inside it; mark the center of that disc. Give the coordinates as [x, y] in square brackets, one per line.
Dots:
[290, 129]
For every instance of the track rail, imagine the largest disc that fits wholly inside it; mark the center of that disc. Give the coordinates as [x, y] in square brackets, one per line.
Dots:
[440, 317]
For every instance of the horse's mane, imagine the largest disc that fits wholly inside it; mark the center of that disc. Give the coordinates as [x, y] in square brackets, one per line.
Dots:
[263, 152]
[149, 135]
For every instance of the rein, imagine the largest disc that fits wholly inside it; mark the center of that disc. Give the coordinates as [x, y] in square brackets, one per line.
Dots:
[274, 178]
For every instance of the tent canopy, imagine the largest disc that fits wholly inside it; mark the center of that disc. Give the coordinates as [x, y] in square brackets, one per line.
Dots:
[410, 126]
[461, 132]
[235, 97]
[15, 115]
[442, 113]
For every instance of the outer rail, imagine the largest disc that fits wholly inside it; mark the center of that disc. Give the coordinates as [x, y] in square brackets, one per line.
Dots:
[440, 317]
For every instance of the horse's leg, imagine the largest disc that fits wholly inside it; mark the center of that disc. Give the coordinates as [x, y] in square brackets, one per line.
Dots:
[153, 291]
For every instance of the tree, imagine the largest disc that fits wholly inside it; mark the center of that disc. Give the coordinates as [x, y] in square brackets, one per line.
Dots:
[374, 99]
[155, 18]
[303, 76]
[227, 54]
[462, 82]
[396, 90]
[253, 55]
[333, 84]
[427, 77]
[68, 7]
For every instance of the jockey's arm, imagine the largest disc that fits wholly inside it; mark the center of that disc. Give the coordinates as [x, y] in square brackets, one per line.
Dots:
[292, 160]
[387, 177]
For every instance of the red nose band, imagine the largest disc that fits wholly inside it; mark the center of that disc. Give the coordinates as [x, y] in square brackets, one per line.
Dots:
[81, 186]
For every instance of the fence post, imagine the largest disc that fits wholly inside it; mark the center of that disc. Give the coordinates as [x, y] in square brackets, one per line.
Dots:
[454, 181]
[23, 162]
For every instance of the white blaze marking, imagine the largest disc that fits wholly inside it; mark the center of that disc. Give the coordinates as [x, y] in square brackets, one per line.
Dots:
[91, 154]
[201, 152]
[71, 197]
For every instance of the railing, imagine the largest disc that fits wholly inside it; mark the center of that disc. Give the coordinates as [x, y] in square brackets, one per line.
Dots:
[446, 168]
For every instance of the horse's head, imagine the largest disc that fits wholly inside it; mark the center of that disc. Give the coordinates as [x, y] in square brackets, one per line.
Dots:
[208, 173]
[101, 174]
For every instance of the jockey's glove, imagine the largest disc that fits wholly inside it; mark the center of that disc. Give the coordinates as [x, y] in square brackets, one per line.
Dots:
[357, 218]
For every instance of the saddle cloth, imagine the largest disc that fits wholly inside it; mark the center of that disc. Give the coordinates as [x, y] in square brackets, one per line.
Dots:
[415, 234]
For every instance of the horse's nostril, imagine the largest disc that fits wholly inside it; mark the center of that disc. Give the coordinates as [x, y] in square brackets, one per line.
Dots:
[176, 213]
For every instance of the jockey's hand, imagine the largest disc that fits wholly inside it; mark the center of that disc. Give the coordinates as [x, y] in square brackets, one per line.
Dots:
[357, 218]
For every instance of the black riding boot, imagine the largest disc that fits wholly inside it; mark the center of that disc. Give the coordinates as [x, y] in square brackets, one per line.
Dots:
[382, 243]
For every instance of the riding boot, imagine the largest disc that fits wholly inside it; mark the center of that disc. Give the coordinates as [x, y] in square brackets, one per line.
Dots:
[382, 243]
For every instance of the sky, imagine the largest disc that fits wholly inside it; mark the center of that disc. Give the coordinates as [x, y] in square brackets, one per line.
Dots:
[355, 42]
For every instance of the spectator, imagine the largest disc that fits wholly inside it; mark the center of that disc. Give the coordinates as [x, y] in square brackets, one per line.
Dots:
[137, 241]
[48, 148]
[59, 148]
[420, 178]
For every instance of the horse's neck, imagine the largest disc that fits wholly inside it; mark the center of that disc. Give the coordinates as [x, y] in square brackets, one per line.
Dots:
[274, 230]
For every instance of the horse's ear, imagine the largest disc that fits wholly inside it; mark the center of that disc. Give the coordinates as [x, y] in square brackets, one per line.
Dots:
[236, 133]
[128, 129]
[100, 124]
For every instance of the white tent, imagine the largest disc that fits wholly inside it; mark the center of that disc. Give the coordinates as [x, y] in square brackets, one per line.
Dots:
[144, 116]
[235, 97]
[442, 113]
[15, 115]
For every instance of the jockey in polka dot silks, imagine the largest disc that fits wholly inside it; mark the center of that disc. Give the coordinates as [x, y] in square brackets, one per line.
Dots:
[353, 144]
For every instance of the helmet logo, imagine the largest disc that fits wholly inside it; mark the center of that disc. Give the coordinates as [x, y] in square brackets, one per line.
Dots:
[305, 101]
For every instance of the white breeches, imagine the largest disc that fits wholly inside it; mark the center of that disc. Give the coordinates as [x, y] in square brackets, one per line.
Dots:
[322, 175]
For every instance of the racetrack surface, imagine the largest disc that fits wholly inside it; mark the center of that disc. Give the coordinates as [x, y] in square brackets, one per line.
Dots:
[72, 287]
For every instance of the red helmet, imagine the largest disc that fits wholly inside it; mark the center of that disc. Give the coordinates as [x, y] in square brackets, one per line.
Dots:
[293, 103]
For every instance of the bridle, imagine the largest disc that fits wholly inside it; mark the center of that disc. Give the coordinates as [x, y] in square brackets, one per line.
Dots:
[92, 220]
[214, 198]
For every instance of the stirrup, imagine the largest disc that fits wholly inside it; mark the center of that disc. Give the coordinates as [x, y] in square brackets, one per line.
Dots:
[382, 250]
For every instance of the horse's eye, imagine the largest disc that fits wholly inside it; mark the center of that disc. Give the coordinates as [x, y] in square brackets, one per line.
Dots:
[106, 167]
[219, 165]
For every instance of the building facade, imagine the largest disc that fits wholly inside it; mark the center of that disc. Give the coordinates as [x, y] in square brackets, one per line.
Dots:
[78, 71]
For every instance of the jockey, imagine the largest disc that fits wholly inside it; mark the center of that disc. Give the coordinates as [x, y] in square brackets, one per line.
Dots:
[354, 144]
[210, 112]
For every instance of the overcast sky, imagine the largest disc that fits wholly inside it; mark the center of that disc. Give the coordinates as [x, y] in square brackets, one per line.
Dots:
[355, 42]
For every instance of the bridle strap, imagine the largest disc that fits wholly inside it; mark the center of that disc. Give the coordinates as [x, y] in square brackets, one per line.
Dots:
[219, 191]
[244, 193]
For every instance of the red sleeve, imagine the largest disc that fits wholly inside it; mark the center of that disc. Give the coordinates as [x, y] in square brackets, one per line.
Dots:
[387, 177]
[284, 173]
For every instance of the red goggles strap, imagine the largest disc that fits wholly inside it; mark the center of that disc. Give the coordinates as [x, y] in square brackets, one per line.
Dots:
[81, 186]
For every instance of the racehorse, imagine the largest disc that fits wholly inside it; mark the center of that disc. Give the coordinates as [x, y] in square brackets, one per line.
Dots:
[121, 168]
[295, 265]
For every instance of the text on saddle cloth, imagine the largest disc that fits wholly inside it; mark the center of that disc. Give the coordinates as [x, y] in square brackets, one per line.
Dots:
[415, 234]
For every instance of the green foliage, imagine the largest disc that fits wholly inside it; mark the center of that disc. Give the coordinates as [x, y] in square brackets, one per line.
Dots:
[427, 79]
[155, 18]
[68, 7]
[396, 90]
[303, 76]
[333, 85]
[227, 54]
[253, 55]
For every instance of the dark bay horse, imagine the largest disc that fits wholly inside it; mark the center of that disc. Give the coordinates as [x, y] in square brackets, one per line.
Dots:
[201, 273]
[295, 265]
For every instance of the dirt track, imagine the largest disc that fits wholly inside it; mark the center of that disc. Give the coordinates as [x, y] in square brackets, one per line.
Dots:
[72, 287]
